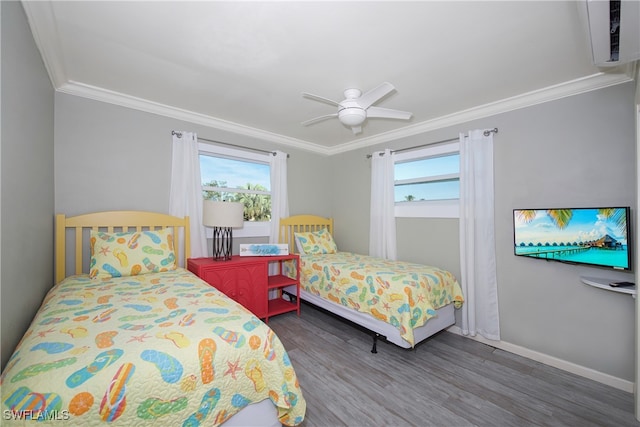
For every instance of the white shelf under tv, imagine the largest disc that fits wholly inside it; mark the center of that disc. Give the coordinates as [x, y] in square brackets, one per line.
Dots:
[603, 283]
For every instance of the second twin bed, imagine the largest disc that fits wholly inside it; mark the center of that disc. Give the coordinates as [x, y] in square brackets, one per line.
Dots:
[404, 302]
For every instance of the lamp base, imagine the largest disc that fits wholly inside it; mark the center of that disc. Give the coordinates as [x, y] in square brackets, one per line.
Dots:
[222, 243]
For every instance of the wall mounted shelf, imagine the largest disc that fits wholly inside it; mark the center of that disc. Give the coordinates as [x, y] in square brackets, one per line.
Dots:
[603, 283]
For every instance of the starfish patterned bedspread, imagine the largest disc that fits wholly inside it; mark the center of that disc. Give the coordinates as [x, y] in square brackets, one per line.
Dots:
[158, 348]
[402, 294]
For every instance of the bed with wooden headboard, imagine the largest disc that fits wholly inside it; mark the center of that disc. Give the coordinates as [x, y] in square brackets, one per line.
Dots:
[76, 230]
[131, 338]
[404, 302]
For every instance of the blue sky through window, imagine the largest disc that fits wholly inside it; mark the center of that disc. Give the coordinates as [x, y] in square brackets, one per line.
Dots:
[442, 190]
[428, 167]
[235, 172]
[441, 165]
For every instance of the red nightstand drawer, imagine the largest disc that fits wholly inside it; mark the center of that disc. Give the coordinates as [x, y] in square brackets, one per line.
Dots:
[247, 281]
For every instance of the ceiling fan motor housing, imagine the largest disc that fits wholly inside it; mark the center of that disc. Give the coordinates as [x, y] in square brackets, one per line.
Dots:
[351, 113]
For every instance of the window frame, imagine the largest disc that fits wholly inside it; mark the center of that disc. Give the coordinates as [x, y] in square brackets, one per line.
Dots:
[445, 208]
[250, 228]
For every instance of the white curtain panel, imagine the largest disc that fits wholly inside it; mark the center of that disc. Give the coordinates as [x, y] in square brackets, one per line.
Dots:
[185, 196]
[279, 194]
[382, 228]
[477, 237]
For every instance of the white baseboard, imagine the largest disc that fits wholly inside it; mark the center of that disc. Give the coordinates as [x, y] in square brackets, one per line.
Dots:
[583, 371]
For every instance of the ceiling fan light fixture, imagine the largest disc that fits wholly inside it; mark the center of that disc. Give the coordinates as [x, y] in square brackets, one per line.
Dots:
[355, 109]
[352, 116]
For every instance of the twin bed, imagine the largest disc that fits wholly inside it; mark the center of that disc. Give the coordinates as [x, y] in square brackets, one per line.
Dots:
[404, 302]
[141, 341]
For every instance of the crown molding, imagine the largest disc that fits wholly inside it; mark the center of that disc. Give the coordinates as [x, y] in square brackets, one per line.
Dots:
[551, 93]
[46, 36]
[116, 98]
[563, 90]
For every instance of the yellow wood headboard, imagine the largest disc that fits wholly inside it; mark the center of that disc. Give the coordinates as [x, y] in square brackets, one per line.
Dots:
[111, 221]
[301, 224]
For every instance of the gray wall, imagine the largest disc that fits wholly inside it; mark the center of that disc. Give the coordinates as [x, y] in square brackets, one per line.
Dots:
[577, 151]
[26, 104]
[547, 155]
[110, 158]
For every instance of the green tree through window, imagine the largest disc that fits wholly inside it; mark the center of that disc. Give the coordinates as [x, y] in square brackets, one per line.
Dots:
[238, 180]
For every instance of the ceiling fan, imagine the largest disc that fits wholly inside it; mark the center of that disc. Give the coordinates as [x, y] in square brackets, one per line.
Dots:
[356, 107]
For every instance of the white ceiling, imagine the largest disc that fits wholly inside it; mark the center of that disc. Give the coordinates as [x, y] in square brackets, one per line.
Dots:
[242, 66]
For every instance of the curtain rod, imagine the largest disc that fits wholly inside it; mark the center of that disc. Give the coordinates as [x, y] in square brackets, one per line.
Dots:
[485, 133]
[179, 135]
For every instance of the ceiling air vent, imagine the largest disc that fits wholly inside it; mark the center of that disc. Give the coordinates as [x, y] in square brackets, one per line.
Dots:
[614, 31]
[613, 28]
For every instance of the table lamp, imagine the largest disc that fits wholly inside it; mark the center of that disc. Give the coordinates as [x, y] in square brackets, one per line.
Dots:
[222, 216]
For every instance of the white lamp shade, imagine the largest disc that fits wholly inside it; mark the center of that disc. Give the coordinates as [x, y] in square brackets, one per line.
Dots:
[222, 214]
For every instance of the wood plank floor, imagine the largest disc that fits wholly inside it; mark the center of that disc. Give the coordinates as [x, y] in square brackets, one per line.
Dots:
[448, 380]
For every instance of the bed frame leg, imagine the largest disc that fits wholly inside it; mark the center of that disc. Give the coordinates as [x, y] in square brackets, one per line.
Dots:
[375, 342]
[292, 297]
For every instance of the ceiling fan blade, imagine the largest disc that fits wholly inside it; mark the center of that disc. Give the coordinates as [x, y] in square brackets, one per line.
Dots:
[387, 113]
[320, 98]
[374, 95]
[356, 129]
[318, 119]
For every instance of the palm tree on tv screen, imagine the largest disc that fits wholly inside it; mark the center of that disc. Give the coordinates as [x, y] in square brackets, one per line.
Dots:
[562, 217]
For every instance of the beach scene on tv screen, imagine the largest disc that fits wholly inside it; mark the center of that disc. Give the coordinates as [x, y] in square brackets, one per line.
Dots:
[591, 236]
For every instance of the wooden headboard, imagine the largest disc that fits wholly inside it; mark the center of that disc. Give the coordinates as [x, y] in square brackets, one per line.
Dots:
[77, 228]
[301, 224]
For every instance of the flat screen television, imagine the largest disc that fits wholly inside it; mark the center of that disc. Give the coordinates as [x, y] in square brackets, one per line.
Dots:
[590, 236]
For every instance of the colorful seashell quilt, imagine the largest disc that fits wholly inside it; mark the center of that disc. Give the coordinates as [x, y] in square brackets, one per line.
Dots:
[402, 294]
[157, 349]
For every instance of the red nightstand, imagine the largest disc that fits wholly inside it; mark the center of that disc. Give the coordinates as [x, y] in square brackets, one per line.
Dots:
[247, 281]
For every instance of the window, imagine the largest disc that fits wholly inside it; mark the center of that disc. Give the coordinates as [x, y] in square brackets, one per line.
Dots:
[427, 182]
[239, 176]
